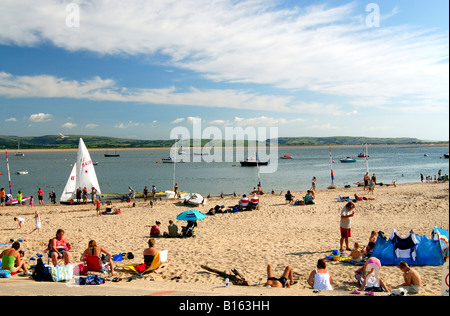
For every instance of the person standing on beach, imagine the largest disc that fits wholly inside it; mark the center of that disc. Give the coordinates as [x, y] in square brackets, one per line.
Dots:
[154, 192]
[347, 213]
[366, 181]
[313, 185]
[2, 197]
[37, 220]
[19, 198]
[93, 195]
[40, 196]
[52, 197]
[175, 189]
[145, 191]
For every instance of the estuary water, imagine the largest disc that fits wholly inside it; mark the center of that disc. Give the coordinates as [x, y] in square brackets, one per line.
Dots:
[139, 168]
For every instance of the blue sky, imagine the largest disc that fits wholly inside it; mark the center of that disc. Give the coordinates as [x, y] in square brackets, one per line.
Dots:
[140, 68]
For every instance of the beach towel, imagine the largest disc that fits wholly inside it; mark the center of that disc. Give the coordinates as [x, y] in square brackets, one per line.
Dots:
[91, 280]
[5, 274]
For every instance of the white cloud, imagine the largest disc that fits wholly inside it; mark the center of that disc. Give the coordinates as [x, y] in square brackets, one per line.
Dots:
[98, 89]
[178, 120]
[91, 125]
[327, 126]
[69, 125]
[318, 48]
[40, 117]
[127, 125]
[11, 119]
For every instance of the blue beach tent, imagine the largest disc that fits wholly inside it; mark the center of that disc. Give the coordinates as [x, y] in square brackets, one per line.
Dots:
[413, 249]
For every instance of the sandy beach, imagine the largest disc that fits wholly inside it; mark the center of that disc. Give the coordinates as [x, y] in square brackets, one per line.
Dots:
[276, 234]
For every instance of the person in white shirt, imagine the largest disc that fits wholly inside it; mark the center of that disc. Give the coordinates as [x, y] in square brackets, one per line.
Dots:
[320, 278]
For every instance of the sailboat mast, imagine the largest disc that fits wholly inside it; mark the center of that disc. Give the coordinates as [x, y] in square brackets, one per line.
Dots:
[331, 167]
[9, 174]
[257, 168]
[174, 164]
[366, 159]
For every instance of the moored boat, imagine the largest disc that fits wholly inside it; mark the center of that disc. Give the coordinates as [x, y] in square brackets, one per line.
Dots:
[286, 157]
[171, 160]
[348, 159]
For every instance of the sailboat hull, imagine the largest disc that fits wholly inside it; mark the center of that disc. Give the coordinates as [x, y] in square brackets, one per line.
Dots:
[254, 163]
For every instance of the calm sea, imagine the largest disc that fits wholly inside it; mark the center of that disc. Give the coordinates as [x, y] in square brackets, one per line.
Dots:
[139, 168]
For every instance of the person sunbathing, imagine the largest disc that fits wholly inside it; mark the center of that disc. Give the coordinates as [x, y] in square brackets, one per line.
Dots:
[286, 280]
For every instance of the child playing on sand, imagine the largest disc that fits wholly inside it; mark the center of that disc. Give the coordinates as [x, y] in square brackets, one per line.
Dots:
[356, 254]
[19, 221]
[37, 219]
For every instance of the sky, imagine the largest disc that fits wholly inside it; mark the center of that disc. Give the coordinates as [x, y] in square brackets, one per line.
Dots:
[139, 69]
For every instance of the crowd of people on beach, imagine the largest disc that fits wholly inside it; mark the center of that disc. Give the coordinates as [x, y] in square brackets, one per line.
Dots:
[319, 279]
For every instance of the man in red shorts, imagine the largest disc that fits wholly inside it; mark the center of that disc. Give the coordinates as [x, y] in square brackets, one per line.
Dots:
[346, 223]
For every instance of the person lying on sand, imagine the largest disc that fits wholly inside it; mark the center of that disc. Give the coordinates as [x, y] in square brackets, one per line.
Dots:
[286, 280]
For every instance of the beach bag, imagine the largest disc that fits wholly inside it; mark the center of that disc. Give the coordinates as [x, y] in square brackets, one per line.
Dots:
[42, 272]
[62, 273]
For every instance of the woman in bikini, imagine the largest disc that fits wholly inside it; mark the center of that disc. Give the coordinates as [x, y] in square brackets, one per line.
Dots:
[95, 250]
[286, 280]
[59, 247]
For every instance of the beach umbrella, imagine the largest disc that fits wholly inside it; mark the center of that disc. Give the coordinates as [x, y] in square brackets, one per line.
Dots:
[191, 215]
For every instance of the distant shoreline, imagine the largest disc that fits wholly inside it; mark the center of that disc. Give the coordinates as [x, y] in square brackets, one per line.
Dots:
[13, 151]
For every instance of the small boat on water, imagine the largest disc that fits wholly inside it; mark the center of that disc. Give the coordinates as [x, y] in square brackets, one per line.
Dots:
[171, 160]
[286, 157]
[446, 155]
[19, 153]
[362, 155]
[22, 172]
[112, 155]
[253, 161]
[348, 159]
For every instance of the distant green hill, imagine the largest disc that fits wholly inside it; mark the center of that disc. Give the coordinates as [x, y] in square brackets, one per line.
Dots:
[57, 142]
[344, 140]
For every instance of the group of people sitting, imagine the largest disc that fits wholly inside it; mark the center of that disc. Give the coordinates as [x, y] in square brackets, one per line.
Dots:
[244, 204]
[186, 231]
[12, 259]
[309, 198]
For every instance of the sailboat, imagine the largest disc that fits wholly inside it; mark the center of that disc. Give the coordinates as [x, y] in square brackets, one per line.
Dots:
[332, 185]
[19, 153]
[112, 155]
[170, 194]
[10, 200]
[82, 175]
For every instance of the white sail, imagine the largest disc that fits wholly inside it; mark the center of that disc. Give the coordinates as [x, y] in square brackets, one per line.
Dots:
[69, 189]
[85, 174]
[82, 175]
